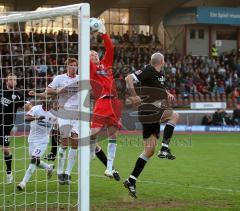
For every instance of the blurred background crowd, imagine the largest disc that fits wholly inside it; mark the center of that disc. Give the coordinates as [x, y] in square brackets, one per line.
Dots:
[38, 56]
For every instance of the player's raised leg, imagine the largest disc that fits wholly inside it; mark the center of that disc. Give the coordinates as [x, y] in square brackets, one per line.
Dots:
[36, 150]
[172, 118]
[41, 124]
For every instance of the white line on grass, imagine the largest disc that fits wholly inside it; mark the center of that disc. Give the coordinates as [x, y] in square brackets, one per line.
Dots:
[178, 185]
[230, 144]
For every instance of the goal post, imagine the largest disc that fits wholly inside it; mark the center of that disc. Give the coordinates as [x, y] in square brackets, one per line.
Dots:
[46, 13]
[84, 72]
[82, 12]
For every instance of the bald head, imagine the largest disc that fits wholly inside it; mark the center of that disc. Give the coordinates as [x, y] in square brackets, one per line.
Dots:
[157, 59]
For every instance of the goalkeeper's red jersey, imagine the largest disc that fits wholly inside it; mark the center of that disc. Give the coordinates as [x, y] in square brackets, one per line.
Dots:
[101, 75]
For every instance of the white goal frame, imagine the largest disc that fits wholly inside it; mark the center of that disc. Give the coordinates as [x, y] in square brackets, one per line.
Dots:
[83, 12]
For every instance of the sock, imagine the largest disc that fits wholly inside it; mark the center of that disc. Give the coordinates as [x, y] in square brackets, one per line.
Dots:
[111, 153]
[8, 161]
[61, 159]
[167, 134]
[101, 156]
[29, 172]
[71, 160]
[43, 165]
[139, 166]
[55, 139]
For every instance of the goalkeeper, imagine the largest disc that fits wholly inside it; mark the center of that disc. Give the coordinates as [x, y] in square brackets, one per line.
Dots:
[107, 106]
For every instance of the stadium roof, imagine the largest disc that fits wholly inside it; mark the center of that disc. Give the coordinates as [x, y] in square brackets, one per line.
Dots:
[158, 8]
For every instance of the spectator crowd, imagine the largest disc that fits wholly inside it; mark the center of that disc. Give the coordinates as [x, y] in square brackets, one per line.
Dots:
[222, 118]
[128, 38]
[37, 57]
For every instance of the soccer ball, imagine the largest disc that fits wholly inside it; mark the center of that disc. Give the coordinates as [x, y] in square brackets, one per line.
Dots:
[94, 24]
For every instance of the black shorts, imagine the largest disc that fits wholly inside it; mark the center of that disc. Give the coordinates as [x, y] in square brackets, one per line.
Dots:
[4, 134]
[150, 116]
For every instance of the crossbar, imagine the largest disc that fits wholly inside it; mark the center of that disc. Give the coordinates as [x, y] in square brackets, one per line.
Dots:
[46, 13]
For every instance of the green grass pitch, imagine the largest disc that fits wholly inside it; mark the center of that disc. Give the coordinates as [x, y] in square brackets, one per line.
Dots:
[205, 176]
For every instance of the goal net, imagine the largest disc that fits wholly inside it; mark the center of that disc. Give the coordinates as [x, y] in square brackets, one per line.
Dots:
[34, 46]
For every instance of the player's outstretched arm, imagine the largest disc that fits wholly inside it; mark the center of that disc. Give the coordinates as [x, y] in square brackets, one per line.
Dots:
[35, 94]
[109, 48]
[134, 98]
[30, 118]
[170, 96]
[49, 92]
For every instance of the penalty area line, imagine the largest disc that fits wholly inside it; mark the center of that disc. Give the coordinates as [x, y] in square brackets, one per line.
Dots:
[179, 185]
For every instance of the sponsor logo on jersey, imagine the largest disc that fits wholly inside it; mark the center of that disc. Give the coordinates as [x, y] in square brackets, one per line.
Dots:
[161, 79]
[72, 89]
[5, 101]
[138, 72]
[102, 72]
[14, 97]
[44, 124]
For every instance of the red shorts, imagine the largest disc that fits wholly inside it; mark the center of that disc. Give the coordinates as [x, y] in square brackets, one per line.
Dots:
[107, 112]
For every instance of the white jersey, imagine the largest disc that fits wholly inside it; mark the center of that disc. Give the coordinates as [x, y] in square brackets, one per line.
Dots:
[69, 99]
[40, 129]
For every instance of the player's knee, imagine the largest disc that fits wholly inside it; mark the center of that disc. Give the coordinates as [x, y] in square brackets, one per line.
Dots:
[93, 136]
[94, 133]
[97, 148]
[74, 143]
[62, 150]
[175, 116]
[112, 132]
[74, 136]
[6, 151]
[149, 151]
[113, 136]
[35, 160]
[64, 141]
[55, 133]
[74, 146]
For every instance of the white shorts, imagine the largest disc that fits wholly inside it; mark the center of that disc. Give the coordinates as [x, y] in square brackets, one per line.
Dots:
[68, 126]
[37, 149]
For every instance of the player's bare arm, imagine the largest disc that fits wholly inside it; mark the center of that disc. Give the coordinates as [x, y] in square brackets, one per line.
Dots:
[29, 118]
[170, 96]
[134, 98]
[49, 92]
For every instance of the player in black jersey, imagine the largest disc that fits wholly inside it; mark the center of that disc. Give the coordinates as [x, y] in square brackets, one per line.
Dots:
[151, 113]
[11, 100]
[55, 138]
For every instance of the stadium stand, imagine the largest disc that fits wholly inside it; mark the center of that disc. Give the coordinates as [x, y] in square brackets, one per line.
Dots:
[189, 78]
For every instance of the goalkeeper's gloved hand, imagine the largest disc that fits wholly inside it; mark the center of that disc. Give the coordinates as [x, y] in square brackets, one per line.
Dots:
[102, 28]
